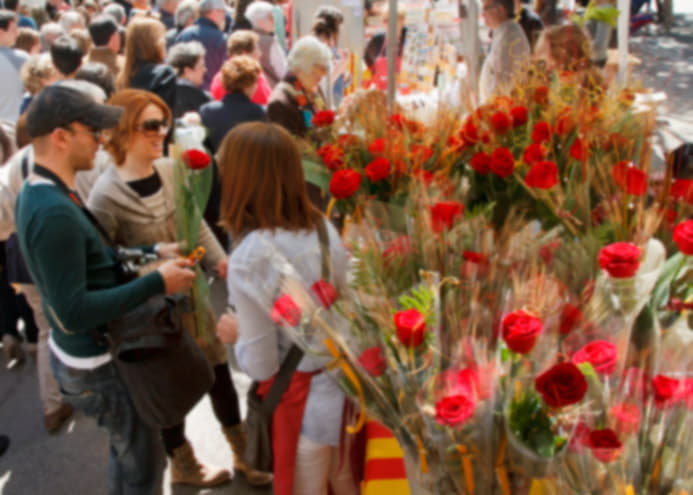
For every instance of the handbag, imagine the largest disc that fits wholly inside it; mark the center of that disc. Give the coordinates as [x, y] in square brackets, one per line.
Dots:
[163, 368]
[258, 422]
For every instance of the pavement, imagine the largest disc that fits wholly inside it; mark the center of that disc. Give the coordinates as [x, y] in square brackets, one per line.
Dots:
[73, 462]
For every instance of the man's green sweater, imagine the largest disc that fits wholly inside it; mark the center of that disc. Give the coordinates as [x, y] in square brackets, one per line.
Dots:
[74, 270]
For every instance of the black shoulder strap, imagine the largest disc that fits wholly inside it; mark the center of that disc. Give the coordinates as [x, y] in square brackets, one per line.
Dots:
[25, 165]
[290, 363]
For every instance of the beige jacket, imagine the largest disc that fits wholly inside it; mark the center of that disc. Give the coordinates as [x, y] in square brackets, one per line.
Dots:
[129, 221]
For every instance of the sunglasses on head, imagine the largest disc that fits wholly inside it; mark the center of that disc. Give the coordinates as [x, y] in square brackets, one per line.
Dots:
[154, 126]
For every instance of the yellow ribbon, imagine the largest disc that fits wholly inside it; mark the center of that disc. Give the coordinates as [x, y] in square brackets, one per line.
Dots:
[501, 472]
[467, 467]
[340, 362]
[197, 254]
[422, 454]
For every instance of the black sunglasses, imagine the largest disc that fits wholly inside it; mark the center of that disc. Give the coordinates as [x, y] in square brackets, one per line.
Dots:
[154, 126]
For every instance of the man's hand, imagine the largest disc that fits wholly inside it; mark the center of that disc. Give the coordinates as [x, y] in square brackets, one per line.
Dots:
[177, 275]
[227, 328]
[168, 249]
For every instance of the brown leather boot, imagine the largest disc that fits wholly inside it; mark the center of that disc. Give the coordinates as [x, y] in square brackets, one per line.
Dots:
[236, 438]
[187, 470]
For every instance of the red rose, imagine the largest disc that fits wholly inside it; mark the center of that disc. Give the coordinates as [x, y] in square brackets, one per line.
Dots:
[378, 169]
[682, 189]
[571, 316]
[373, 361]
[332, 156]
[666, 390]
[600, 354]
[323, 118]
[519, 115]
[345, 183]
[196, 159]
[629, 178]
[420, 153]
[542, 175]
[285, 311]
[565, 124]
[410, 326]
[533, 153]
[561, 385]
[470, 131]
[627, 417]
[377, 146]
[683, 237]
[481, 162]
[396, 120]
[325, 292]
[605, 444]
[541, 132]
[473, 257]
[579, 150]
[541, 95]
[347, 140]
[520, 331]
[443, 214]
[579, 438]
[500, 121]
[502, 162]
[620, 259]
[454, 410]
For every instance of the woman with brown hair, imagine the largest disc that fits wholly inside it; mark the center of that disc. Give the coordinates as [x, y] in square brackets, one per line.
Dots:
[134, 201]
[265, 207]
[240, 78]
[144, 68]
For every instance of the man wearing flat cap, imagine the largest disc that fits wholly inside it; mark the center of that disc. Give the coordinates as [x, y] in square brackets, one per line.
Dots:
[76, 273]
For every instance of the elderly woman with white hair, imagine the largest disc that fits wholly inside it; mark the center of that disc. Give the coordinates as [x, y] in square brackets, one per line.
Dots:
[273, 61]
[297, 98]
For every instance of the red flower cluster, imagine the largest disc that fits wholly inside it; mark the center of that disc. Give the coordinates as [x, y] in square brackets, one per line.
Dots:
[561, 385]
[332, 156]
[683, 237]
[600, 354]
[626, 417]
[541, 95]
[444, 213]
[571, 316]
[377, 146]
[502, 162]
[682, 189]
[420, 153]
[323, 118]
[620, 259]
[542, 175]
[520, 331]
[285, 311]
[579, 150]
[519, 115]
[345, 183]
[604, 444]
[196, 159]
[630, 179]
[373, 361]
[378, 169]
[565, 124]
[474, 257]
[410, 326]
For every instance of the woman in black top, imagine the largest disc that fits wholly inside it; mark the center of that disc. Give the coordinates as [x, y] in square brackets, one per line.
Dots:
[188, 59]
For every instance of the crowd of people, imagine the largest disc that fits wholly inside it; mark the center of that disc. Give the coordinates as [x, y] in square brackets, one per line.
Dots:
[90, 96]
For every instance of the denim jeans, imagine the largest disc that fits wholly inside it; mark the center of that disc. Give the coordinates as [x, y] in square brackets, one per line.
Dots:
[137, 460]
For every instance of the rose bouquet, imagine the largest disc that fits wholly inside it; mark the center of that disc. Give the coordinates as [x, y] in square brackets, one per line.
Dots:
[192, 186]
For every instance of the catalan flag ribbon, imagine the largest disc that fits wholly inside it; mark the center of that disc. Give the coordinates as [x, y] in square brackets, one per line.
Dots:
[384, 471]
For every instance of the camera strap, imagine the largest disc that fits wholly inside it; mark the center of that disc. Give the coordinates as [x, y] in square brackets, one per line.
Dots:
[74, 197]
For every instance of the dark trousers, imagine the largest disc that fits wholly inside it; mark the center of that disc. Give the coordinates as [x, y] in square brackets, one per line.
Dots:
[13, 307]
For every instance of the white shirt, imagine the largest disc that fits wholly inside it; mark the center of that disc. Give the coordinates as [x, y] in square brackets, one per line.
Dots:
[509, 56]
[256, 269]
[11, 87]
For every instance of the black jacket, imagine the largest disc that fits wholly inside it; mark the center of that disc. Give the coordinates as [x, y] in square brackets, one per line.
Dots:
[189, 98]
[160, 79]
[219, 117]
